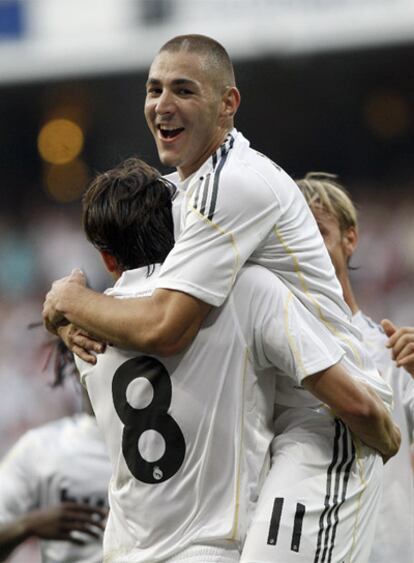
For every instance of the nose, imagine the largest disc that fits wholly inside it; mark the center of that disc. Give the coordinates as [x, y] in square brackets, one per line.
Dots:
[165, 103]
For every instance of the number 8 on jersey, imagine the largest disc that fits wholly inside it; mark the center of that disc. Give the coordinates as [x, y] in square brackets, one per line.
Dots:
[152, 442]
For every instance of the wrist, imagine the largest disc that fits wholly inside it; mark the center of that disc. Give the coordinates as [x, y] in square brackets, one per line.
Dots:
[25, 527]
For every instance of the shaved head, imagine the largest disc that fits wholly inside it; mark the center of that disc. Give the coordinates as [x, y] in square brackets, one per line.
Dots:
[216, 60]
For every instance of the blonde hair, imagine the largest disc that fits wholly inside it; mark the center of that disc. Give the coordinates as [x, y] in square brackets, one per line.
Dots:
[323, 189]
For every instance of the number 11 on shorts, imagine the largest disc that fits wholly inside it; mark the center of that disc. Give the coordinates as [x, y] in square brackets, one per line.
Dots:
[275, 523]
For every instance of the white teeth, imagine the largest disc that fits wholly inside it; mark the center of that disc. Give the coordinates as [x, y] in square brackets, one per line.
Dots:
[163, 128]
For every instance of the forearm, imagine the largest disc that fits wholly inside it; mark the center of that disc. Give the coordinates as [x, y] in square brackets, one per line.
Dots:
[358, 406]
[376, 427]
[12, 535]
[162, 324]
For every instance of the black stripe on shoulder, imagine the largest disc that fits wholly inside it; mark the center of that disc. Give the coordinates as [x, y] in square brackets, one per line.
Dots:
[205, 194]
[197, 192]
[216, 186]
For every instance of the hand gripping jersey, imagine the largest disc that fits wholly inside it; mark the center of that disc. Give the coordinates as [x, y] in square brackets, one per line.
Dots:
[241, 206]
[188, 436]
[64, 460]
[394, 539]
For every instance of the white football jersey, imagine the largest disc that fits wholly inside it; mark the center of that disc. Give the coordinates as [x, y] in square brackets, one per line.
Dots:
[241, 206]
[64, 460]
[188, 436]
[394, 540]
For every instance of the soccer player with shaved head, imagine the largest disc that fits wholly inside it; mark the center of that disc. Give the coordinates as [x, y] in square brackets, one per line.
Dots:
[234, 205]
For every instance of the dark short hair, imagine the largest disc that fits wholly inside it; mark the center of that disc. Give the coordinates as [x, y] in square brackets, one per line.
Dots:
[213, 52]
[127, 212]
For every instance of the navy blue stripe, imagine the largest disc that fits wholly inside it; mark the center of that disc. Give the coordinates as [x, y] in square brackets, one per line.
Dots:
[344, 490]
[275, 521]
[338, 480]
[197, 193]
[205, 194]
[297, 527]
[215, 187]
[328, 490]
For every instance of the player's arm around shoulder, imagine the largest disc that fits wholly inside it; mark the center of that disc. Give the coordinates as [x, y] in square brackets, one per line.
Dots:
[359, 406]
[162, 324]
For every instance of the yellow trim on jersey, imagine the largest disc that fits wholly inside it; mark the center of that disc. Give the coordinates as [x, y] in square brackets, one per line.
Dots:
[291, 339]
[233, 535]
[305, 289]
[233, 243]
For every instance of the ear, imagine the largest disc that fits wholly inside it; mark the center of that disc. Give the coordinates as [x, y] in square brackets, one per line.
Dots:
[231, 102]
[350, 241]
[109, 261]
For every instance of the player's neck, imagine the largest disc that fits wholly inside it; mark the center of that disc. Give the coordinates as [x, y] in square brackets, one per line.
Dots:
[349, 296]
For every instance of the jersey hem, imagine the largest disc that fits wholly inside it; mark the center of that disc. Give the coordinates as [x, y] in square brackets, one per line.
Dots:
[195, 291]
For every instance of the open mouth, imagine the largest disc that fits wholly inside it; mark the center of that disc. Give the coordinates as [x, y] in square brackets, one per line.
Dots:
[169, 134]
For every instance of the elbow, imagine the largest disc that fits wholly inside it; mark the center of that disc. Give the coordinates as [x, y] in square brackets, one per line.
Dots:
[159, 341]
[165, 344]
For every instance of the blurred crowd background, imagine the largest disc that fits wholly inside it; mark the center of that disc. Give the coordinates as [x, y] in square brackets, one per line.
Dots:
[326, 85]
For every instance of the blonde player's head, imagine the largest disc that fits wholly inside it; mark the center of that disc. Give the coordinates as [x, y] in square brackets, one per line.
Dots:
[335, 214]
[323, 190]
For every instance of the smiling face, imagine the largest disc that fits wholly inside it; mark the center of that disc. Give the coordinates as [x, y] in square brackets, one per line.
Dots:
[187, 111]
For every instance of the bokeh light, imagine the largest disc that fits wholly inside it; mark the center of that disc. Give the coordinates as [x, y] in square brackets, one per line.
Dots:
[60, 141]
[388, 114]
[66, 182]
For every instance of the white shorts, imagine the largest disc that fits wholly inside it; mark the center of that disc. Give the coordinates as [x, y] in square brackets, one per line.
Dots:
[217, 552]
[320, 500]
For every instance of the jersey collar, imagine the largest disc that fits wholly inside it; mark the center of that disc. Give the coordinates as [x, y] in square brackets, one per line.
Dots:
[212, 162]
[135, 283]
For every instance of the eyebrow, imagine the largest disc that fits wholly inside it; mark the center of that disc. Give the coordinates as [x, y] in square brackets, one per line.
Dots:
[175, 82]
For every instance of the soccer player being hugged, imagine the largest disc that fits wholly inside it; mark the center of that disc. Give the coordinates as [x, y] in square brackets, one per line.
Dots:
[234, 205]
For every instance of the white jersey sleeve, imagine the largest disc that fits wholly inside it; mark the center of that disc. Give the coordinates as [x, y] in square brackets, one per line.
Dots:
[225, 215]
[287, 336]
[19, 480]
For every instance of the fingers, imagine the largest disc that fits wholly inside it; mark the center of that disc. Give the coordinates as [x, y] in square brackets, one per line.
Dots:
[84, 341]
[407, 362]
[83, 518]
[400, 339]
[52, 319]
[388, 326]
[81, 344]
[77, 276]
[72, 507]
[84, 355]
[401, 343]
